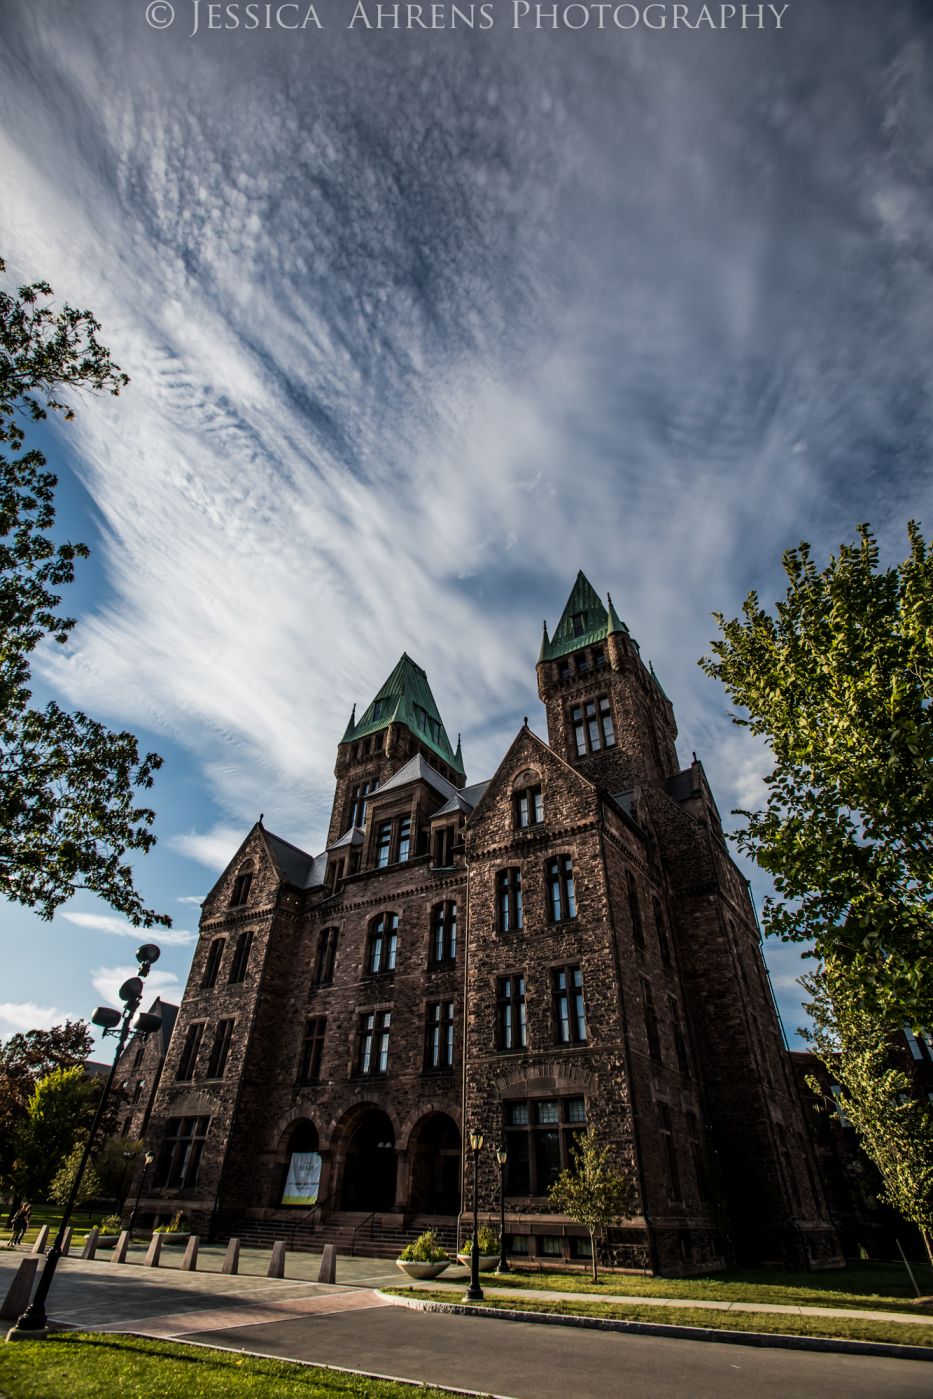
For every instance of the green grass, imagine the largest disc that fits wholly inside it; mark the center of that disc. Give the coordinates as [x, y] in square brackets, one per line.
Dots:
[838, 1328]
[81, 1365]
[869, 1286]
[52, 1216]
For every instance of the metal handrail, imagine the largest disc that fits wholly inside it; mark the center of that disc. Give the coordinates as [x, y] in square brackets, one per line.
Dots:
[318, 1205]
[370, 1220]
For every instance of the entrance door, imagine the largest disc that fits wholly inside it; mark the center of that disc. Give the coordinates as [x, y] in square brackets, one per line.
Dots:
[369, 1172]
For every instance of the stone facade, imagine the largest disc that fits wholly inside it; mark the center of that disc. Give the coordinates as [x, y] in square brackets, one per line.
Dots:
[567, 944]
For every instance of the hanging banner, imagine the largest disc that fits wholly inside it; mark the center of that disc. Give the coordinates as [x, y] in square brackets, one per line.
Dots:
[304, 1177]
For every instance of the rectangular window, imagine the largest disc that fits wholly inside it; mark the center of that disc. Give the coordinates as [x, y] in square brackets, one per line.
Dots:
[551, 1246]
[189, 1053]
[680, 1039]
[212, 965]
[444, 847]
[562, 898]
[240, 959]
[591, 722]
[513, 1033]
[605, 719]
[374, 1042]
[312, 1050]
[358, 800]
[220, 1049]
[529, 807]
[699, 1158]
[660, 927]
[578, 622]
[651, 1021]
[383, 944]
[599, 658]
[379, 706]
[634, 906]
[518, 1243]
[539, 1137]
[672, 1171]
[567, 1000]
[444, 932]
[509, 900]
[439, 1036]
[383, 844]
[326, 957]
[180, 1155]
[404, 839]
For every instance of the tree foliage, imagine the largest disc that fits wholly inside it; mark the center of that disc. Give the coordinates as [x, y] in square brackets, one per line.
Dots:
[68, 785]
[894, 1125]
[839, 682]
[24, 1059]
[595, 1192]
[62, 1103]
[108, 1174]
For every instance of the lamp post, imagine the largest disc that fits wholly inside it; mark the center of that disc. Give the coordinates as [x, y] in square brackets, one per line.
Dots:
[147, 1162]
[474, 1292]
[32, 1325]
[502, 1156]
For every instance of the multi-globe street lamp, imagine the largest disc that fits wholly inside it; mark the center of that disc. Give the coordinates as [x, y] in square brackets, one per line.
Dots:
[33, 1324]
[474, 1292]
[502, 1156]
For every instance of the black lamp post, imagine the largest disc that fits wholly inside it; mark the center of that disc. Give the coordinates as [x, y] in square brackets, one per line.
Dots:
[32, 1325]
[147, 1162]
[474, 1292]
[502, 1156]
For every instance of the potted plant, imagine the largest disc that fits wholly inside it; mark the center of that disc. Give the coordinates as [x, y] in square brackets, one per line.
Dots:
[488, 1249]
[175, 1232]
[109, 1230]
[424, 1258]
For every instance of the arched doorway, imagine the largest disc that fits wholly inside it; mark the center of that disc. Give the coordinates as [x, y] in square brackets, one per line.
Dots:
[301, 1136]
[434, 1147]
[370, 1166]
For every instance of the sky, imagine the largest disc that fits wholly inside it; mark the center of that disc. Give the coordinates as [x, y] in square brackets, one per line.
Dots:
[418, 322]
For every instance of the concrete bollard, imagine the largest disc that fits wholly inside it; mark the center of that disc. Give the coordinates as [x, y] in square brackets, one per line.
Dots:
[66, 1241]
[190, 1261]
[154, 1252]
[90, 1244]
[17, 1299]
[277, 1261]
[122, 1244]
[328, 1269]
[42, 1240]
[231, 1263]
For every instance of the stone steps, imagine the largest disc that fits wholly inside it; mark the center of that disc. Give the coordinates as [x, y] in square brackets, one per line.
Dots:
[358, 1235]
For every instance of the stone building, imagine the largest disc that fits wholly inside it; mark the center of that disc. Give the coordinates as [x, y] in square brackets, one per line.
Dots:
[568, 943]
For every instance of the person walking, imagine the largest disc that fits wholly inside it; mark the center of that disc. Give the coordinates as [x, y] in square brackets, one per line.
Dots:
[20, 1224]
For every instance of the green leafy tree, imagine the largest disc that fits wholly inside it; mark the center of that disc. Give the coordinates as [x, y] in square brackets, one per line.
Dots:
[108, 1174]
[595, 1192]
[894, 1125]
[61, 1105]
[92, 1187]
[68, 786]
[24, 1059]
[839, 681]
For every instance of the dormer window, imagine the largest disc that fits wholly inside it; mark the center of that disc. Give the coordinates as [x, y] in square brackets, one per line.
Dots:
[378, 709]
[578, 622]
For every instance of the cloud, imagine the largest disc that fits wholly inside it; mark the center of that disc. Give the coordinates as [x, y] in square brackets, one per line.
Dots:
[214, 849]
[116, 927]
[17, 1016]
[108, 980]
[196, 900]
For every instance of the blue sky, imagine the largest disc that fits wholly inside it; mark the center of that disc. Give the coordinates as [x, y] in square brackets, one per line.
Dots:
[418, 324]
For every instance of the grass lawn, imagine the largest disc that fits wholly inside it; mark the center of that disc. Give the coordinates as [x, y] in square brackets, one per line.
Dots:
[81, 1365]
[769, 1322]
[872, 1286]
[52, 1216]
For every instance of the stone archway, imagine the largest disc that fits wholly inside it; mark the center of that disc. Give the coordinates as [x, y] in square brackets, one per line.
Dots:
[434, 1153]
[370, 1164]
[301, 1135]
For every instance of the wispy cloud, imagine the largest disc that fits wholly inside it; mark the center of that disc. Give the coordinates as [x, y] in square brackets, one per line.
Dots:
[213, 849]
[195, 900]
[108, 980]
[116, 927]
[18, 1016]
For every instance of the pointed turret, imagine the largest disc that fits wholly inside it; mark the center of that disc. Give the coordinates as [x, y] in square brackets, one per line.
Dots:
[583, 621]
[545, 644]
[406, 698]
[348, 731]
[614, 621]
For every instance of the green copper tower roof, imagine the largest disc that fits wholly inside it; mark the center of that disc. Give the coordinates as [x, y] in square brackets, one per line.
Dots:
[406, 698]
[584, 621]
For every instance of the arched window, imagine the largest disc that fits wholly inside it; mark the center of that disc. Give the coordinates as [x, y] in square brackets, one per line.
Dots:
[241, 885]
[383, 944]
[444, 932]
[212, 965]
[561, 890]
[527, 799]
[326, 956]
[509, 916]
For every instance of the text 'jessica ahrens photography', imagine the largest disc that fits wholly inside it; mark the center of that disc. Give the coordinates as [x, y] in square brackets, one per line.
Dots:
[214, 15]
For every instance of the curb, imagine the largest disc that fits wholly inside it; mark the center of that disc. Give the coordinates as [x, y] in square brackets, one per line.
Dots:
[763, 1339]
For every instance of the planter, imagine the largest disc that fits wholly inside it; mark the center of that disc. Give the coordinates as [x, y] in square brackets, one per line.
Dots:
[421, 1270]
[172, 1240]
[487, 1261]
[107, 1240]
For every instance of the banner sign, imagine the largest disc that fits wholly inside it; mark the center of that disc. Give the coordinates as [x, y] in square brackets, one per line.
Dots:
[304, 1177]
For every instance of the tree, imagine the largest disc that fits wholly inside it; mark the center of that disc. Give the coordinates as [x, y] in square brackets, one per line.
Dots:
[24, 1059]
[108, 1174]
[62, 1103]
[894, 1125]
[839, 682]
[594, 1193]
[68, 785]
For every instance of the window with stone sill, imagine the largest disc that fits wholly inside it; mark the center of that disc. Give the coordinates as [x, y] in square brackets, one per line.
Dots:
[180, 1155]
[660, 927]
[382, 948]
[509, 912]
[326, 956]
[358, 799]
[561, 889]
[373, 1054]
[669, 1153]
[240, 961]
[220, 1049]
[512, 1025]
[189, 1052]
[568, 1011]
[212, 965]
[444, 931]
[241, 888]
[652, 1034]
[439, 1037]
[528, 807]
[540, 1134]
[634, 908]
[592, 726]
[312, 1050]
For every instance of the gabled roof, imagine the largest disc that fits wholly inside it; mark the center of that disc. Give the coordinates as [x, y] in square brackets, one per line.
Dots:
[354, 836]
[595, 622]
[417, 769]
[465, 800]
[406, 698]
[295, 866]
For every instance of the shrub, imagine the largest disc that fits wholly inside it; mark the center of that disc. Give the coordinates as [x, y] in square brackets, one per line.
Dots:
[110, 1224]
[425, 1249]
[488, 1240]
[176, 1225]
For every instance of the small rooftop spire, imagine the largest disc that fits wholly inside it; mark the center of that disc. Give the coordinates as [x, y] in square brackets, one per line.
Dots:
[614, 622]
[545, 643]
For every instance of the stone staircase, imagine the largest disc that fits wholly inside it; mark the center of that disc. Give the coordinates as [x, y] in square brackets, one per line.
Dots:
[354, 1234]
